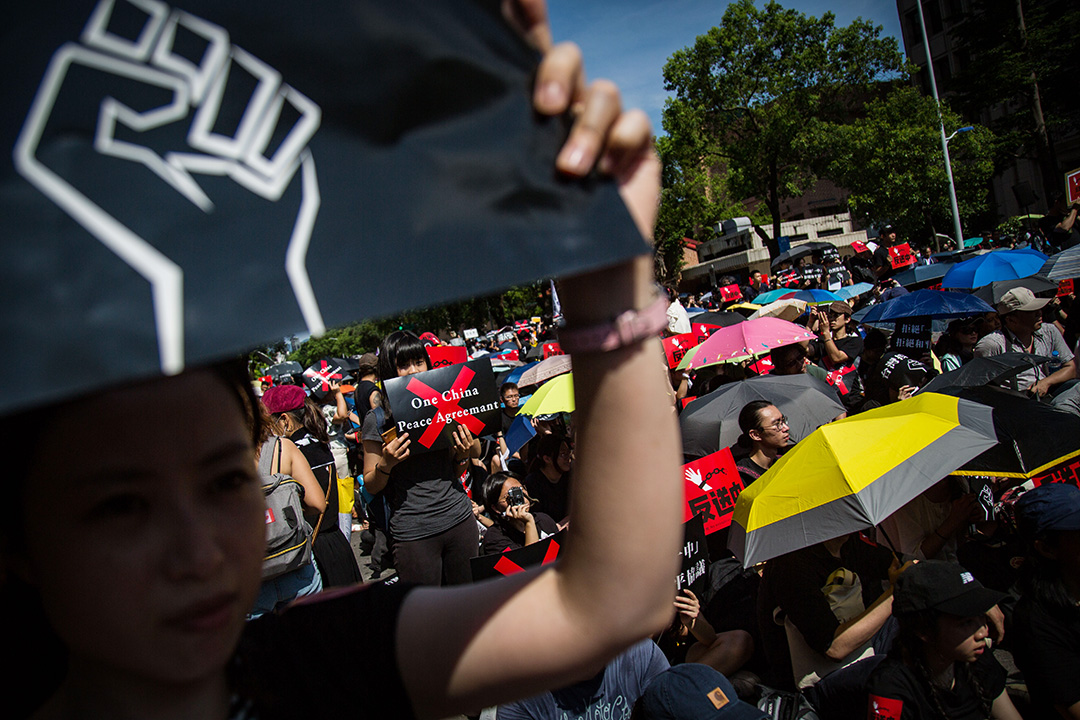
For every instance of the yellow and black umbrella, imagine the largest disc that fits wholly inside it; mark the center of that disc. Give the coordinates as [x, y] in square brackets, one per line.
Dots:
[854, 473]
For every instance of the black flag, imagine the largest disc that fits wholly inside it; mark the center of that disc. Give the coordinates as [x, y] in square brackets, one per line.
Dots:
[188, 179]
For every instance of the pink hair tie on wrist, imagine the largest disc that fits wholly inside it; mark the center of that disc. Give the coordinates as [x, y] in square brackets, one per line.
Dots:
[628, 328]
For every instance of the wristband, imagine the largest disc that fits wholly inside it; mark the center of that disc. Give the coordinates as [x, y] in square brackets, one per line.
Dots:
[628, 328]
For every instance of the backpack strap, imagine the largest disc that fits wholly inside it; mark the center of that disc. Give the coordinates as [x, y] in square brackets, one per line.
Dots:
[266, 460]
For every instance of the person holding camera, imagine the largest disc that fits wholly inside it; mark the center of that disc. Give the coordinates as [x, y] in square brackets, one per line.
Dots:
[515, 525]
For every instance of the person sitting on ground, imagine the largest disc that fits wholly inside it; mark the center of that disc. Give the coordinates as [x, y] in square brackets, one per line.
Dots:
[548, 481]
[693, 692]
[940, 665]
[1046, 621]
[1022, 330]
[765, 432]
[514, 524]
[698, 642]
[826, 605]
[610, 693]
[927, 528]
[897, 377]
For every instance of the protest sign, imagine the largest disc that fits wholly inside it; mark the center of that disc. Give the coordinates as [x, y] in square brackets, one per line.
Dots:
[164, 162]
[470, 334]
[428, 405]
[552, 349]
[712, 485]
[1067, 471]
[676, 347]
[445, 355]
[695, 556]
[702, 331]
[764, 366]
[900, 256]
[1072, 186]
[912, 336]
[507, 356]
[515, 561]
[318, 377]
[788, 278]
[1065, 287]
[730, 293]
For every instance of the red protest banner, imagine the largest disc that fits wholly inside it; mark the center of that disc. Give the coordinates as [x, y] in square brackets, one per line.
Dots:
[687, 400]
[1065, 287]
[900, 256]
[765, 280]
[444, 355]
[676, 347]
[508, 355]
[1072, 185]
[729, 293]
[764, 366]
[712, 485]
[1067, 471]
[701, 332]
[552, 349]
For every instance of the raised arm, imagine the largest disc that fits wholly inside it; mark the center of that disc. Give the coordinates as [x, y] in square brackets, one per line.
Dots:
[459, 649]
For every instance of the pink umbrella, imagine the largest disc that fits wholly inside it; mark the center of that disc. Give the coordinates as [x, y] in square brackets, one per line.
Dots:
[746, 340]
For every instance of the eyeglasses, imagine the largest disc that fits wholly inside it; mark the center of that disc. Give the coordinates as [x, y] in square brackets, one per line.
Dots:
[781, 422]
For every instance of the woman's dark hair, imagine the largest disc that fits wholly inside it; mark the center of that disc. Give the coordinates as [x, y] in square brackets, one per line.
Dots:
[910, 649]
[1040, 578]
[547, 446]
[948, 343]
[310, 416]
[492, 488]
[398, 348]
[750, 419]
[42, 654]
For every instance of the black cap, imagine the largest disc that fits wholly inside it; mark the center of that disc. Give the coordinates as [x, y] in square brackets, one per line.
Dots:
[942, 586]
[692, 691]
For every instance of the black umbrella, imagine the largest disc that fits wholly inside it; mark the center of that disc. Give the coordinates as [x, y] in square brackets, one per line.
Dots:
[283, 370]
[723, 318]
[318, 377]
[1033, 436]
[993, 292]
[985, 370]
[790, 255]
[921, 274]
[712, 421]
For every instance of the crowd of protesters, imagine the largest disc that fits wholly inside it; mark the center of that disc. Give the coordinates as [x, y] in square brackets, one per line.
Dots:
[165, 606]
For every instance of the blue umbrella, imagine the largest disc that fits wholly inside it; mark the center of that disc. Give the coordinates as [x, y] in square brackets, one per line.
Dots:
[815, 297]
[849, 292]
[993, 266]
[922, 274]
[772, 296]
[927, 303]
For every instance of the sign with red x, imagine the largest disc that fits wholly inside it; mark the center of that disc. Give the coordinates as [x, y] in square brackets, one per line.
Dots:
[509, 562]
[429, 405]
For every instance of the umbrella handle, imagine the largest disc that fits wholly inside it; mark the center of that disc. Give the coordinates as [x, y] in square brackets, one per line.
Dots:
[892, 545]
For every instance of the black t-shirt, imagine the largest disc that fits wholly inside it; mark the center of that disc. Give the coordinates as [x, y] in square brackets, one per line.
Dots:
[501, 537]
[882, 261]
[1046, 645]
[321, 460]
[843, 376]
[552, 499]
[296, 664]
[362, 398]
[424, 492]
[795, 582]
[896, 692]
[749, 471]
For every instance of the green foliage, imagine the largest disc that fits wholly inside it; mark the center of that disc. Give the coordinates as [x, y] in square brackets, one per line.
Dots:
[747, 90]
[891, 162]
[486, 312]
[1006, 63]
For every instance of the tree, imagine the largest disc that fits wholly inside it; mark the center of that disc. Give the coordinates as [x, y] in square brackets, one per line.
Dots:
[754, 83]
[1021, 57]
[891, 162]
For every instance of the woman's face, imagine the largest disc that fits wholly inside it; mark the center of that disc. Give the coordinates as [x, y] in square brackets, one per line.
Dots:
[411, 367]
[960, 639]
[166, 512]
[510, 483]
[565, 458]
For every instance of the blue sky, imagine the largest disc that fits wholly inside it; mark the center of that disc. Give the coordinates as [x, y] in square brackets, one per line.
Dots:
[629, 41]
